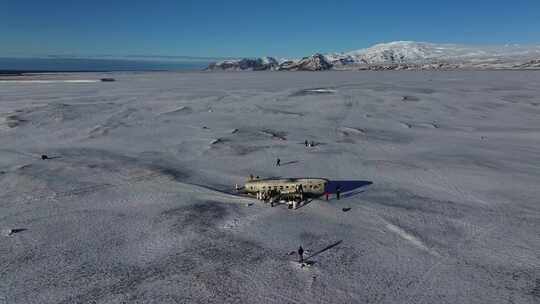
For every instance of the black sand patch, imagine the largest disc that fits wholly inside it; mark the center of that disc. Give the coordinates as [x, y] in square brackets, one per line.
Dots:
[184, 110]
[353, 135]
[313, 91]
[201, 217]
[281, 135]
[279, 112]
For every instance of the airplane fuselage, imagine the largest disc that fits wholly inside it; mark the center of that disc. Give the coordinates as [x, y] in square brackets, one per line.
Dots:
[309, 186]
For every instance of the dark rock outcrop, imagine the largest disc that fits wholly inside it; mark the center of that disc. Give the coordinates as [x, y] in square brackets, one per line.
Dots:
[533, 64]
[246, 64]
[316, 62]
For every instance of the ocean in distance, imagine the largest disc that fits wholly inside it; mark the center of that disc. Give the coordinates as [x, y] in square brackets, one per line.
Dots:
[11, 65]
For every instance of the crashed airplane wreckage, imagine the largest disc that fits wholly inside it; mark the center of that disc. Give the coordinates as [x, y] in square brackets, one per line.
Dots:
[293, 191]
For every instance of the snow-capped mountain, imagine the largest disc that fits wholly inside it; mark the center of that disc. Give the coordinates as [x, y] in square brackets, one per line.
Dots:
[424, 52]
[401, 55]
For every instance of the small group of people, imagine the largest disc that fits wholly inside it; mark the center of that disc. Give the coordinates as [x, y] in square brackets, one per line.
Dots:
[309, 144]
[294, 199]
[268, 196]
[338, 193]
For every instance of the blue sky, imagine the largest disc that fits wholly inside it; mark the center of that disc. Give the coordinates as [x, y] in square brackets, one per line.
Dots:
[239, 28]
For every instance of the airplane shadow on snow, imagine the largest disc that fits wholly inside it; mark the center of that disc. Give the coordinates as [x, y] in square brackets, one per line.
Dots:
[349, 188]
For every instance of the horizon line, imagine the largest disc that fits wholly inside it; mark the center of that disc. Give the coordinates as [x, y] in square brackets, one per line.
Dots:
[150, 57]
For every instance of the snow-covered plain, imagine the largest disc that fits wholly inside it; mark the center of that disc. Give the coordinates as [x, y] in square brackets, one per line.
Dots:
[134, 205]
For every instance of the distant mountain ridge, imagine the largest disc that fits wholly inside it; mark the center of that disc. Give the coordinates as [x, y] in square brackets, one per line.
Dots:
[400, 55]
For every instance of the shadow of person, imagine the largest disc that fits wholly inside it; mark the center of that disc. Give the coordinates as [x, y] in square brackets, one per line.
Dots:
[290, 163]
[10, 232]
[46, 157]
[307, 259]
[305, 203]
